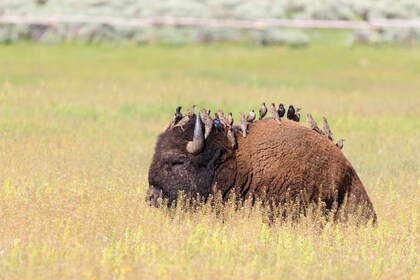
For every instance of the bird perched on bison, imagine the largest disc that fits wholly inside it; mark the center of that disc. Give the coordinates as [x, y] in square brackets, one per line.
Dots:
[190, 112]
[281, 110]
[178, 113]
[290, 112]
[289, 160]
[185, 119]
[176, 118]
[296, 116]
[231, 136]
[262, 111]
[327, 130]
[217, 123]
[243, 124]
[207, 120]
[222, 118]
[230, 119]
[313, 125]
[251, 116]
[274, 113]
[182, 122]
[340, 143]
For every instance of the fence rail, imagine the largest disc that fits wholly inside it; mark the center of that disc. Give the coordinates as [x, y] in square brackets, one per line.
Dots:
[227, 23]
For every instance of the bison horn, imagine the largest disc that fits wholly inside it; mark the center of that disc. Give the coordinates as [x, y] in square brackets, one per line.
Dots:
[197, 144]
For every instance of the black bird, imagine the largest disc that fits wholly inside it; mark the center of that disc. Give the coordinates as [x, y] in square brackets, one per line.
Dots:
[290, 112]
[296, 117]
[281, 110]
[178, 113]
[217, 124]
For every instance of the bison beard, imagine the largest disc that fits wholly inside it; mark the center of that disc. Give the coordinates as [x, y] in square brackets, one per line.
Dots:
[279, 162]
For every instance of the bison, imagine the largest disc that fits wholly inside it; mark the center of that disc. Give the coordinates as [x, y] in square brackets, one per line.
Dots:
[276, 161]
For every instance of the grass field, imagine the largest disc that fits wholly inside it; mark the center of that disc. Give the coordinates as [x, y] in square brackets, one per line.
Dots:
[77, 131]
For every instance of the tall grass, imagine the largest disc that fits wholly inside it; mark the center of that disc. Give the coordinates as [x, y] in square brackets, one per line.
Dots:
[77, 130]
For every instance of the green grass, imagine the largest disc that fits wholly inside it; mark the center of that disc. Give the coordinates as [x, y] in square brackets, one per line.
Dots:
[77, 131]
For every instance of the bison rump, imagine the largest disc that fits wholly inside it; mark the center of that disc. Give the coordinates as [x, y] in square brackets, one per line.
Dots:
[285, 161]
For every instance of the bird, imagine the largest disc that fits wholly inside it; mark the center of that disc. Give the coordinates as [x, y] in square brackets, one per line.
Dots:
[274, 113]
[290, 112]
[182, 122]
[243, 124]
[176, 117]
[263, 111]
[178, 113]
[296, 116]
[313, 125]
[232, 138]
[204, 114]
[216, 122]
[281, 111]
[173, 122]
[230, 119]
[190, 112]
[251, 116]
[208, 122]
[222, 118]
[340, 143]
[327, 130]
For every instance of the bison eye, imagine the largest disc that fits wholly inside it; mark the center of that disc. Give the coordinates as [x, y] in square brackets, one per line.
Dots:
[175, 163]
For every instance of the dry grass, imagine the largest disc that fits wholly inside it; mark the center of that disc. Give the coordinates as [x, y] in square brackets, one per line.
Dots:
[77, 130]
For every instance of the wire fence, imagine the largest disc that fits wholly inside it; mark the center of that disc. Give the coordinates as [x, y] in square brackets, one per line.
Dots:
[206, 22]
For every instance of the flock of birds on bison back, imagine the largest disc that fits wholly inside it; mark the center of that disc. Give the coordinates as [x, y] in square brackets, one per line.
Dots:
[220, 122]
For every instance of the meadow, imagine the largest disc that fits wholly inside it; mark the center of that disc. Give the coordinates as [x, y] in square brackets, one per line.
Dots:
[78, 124]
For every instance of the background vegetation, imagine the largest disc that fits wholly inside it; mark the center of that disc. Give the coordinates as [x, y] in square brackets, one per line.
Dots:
[77, 131]
[356, 10]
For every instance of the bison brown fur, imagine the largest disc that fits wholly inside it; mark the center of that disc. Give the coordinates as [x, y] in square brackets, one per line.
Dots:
[277, 161]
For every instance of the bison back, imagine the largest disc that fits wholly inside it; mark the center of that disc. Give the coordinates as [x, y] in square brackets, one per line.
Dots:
[289, 161]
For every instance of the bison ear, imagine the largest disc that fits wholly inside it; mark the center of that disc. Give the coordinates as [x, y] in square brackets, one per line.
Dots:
[197, 144]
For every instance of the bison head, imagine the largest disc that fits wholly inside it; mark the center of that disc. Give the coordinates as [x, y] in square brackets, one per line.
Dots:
[183, 162]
